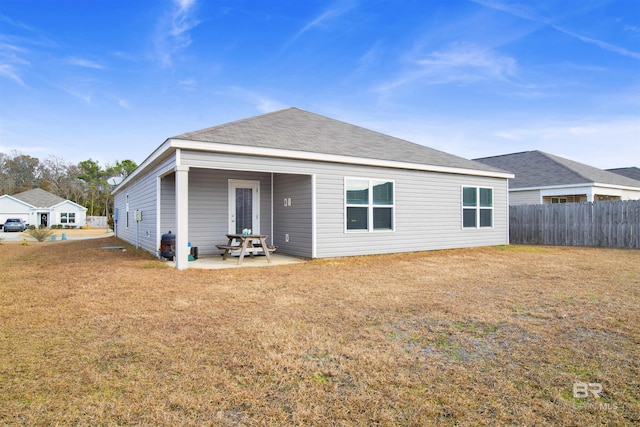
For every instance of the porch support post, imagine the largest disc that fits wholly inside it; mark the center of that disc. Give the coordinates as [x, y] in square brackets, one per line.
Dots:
[182, 217]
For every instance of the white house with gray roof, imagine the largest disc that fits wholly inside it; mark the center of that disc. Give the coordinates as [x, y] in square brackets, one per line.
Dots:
[40, 208]
[318, 187]
[542, 178]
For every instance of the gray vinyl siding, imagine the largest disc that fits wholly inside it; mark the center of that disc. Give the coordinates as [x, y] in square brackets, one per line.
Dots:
[427, 205]
[168, 204]
[294, 220]
[209, 206]
[428, 214]
[143, 195]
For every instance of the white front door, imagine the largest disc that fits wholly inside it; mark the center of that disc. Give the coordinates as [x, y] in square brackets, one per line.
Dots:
[244, 206]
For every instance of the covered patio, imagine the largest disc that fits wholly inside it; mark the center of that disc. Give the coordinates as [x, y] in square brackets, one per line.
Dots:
[202, 205]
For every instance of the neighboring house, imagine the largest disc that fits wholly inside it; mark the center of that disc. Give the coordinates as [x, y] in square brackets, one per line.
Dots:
[631, 172]
[542, 178]
[316, 186]
[38, 207]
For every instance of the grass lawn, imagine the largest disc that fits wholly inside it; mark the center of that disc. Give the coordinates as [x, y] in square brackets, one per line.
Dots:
[487, 336]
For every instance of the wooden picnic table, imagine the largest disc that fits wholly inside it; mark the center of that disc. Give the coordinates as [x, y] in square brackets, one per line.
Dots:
[246, 243]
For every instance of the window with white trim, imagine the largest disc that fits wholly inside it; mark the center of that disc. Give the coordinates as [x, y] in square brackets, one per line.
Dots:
[369, 204]
[67, 218]
[477, 207]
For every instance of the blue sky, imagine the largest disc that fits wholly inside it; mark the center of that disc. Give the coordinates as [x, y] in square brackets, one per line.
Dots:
[112, 79]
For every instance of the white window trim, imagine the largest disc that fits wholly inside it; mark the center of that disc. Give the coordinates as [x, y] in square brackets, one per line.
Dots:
[67, 218]
[477, 208]
[370, 206]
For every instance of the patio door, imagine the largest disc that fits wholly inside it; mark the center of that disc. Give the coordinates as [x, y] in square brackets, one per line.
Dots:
[244, 206]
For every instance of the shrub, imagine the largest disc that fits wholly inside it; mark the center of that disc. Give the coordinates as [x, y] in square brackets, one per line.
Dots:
[40, 234]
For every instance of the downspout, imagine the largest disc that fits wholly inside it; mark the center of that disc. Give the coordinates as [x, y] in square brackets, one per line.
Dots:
[272, 231]
[314, 234]
[508, 215]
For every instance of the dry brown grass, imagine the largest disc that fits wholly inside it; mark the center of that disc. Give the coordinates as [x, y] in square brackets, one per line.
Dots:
[489, 336]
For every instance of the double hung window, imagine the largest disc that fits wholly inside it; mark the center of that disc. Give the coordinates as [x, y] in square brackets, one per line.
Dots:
[67, 218]
[477, 207]
[369, 204]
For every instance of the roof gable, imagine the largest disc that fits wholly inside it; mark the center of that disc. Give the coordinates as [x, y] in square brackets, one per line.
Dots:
[538, 169]
[299, 130]
[6, 201]
[39, 198]
[68, 203]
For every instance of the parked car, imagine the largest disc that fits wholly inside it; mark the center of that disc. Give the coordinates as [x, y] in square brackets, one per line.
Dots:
[14, 224]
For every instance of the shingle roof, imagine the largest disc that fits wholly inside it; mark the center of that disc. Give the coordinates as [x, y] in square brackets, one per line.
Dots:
[299, 130]
[39, 198]
[538, 169]
[632, 172]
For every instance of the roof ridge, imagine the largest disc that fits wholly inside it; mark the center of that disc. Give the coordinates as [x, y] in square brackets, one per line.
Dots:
[505, 155]
[595, 169]
[231, 123]
[554, 158]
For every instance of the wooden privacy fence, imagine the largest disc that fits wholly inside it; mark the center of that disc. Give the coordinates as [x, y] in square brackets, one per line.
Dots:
[609, 224]
[97, 221]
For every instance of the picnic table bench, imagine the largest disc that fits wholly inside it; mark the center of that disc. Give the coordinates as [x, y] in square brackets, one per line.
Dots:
[247, 243]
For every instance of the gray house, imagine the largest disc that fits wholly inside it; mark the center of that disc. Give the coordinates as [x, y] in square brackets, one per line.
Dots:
[316, 186]
[542, 178]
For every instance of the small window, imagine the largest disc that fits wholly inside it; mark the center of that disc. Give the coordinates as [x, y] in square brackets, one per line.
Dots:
[369, 204]
[558, 200]
[477, 207]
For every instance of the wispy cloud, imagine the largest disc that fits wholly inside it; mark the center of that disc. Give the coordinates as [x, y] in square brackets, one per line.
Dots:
[188, 84]
[329, 14]
[83, 96]
[12, 61]
[370, 56]
[9, 71]
[459, 63]
[601, 44]
[526, 12]
[19, 44]
[123, 103]
[87, 63]
[261, 102]
[172, 33]
[578, 139]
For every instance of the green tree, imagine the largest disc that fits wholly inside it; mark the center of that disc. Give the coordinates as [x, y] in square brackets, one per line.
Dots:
[95, 179]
